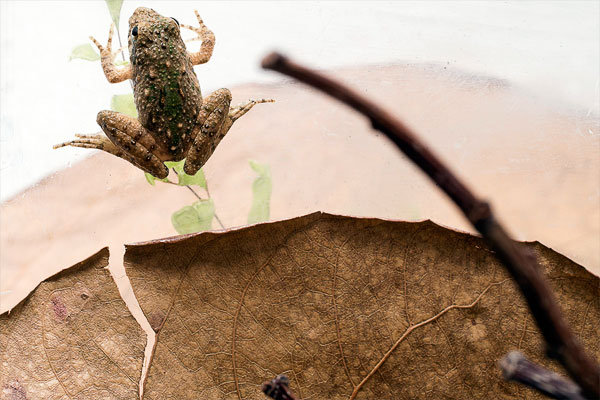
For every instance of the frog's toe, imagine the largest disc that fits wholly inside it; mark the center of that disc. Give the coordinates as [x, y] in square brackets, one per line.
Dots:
[105, 117]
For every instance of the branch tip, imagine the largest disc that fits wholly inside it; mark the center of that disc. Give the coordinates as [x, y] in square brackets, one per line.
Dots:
[516, 367]
[278, 388]
[273, 61]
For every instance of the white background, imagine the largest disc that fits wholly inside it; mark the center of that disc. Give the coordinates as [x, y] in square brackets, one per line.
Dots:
[550, 49]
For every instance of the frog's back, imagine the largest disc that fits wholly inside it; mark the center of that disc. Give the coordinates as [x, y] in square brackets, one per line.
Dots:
[166, 89]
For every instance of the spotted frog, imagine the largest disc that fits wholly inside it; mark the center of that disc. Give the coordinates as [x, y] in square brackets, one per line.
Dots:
[174, 121]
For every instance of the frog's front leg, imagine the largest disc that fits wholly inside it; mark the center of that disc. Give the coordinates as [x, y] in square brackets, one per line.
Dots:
[208, 42]
[113, 73]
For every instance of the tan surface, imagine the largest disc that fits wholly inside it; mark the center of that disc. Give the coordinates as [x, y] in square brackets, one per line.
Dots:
[540, 169]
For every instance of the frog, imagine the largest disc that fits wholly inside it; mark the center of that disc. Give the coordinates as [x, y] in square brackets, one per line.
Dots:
[174, 121]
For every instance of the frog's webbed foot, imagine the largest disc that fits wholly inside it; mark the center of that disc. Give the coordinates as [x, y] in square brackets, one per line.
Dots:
[237, 112]
[218, 118]
[208, 42]
[98, 142]
[95, 141]
[113, 73]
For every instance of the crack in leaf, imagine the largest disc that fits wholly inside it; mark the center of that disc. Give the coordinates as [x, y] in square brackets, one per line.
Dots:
[72, 336]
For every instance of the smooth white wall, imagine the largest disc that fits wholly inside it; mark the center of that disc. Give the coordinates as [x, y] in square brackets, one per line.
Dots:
[549, 48]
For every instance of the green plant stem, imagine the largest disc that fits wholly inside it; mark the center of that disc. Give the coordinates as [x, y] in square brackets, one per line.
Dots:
[216, 216]
[201, 199]
[120, 43]
[122, 52]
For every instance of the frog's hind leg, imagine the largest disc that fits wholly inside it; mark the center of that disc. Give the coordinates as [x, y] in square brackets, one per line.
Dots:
[126, 139]
[219, 118]
[213, 113]
[100, 142]
[136, 144]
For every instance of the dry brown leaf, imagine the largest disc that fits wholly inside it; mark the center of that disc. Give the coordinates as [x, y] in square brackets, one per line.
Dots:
[344, 307]
[72, 338]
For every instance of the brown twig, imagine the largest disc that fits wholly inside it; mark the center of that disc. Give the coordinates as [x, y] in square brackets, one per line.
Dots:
[521, 263]
[278, 388]
[517, 368]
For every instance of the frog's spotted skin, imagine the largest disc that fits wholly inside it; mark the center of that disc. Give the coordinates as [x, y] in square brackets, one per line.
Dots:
[174, 121]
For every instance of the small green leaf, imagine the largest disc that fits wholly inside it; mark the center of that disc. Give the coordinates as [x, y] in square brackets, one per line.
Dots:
[206, 212]
[184, 179]
[121, 62]
[150, 178]
[195, 218]
[186, 220]
[114, 8]
[197, 179]
[84, 52]
[124, 103]
[261, 190]
[178, 165]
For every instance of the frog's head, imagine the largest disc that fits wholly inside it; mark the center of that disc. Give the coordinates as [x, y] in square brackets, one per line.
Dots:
[148, 29]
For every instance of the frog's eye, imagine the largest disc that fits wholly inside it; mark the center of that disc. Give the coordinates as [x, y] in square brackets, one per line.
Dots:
[177, 22]
[134, 31]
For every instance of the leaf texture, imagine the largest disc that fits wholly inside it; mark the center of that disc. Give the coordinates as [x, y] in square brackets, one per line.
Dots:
[72, 338]
[346, 307]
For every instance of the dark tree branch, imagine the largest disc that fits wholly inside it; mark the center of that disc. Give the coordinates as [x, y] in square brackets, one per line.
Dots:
[517, 368]
[521, 263]
[278, 388]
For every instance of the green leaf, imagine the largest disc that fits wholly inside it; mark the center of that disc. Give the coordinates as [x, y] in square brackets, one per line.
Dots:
[124, 103]
[121, 62]
[114, 8]
[186, 220]
[195, 218]
[197, 179]
[184, 179]
[84, 52]
[206, 212]
[261, 191]
[178, 165]
[152, 179]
